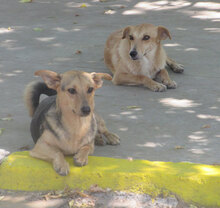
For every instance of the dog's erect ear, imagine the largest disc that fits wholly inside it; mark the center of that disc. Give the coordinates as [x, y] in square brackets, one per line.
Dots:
[52, 79]
[163, 33]
[125, 32]
[97, 77]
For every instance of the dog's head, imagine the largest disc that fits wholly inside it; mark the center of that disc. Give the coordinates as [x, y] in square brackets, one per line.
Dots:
[143, 39]
[75, 89]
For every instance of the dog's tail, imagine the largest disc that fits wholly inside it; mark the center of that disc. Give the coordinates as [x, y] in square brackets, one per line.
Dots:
[32, 95]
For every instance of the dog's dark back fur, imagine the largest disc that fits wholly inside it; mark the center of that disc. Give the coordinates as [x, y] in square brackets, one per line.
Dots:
[38, 89]
[36, 110]
[38, 119]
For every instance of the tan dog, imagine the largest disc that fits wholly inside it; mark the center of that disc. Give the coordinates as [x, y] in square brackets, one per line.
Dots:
[135, 56]
[64, 123]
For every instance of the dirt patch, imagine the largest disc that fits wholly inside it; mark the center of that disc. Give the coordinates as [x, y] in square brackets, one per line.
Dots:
[95, 197]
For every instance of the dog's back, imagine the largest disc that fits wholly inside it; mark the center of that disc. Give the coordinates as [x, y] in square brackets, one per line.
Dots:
[37, 110]
[111, 49]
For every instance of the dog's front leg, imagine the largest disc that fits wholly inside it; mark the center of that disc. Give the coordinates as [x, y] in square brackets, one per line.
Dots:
[163, 77]
[174, 66]
[46, 152]
[127, 78]
[81, 157]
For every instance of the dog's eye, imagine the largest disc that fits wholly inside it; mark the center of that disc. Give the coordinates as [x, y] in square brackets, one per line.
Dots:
[131, 37]
[146, 37]
[90, 89]
[72, 91]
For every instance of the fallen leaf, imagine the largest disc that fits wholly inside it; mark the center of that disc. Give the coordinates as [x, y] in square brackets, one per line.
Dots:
[67, 192]
[71, 203]
[83, 6]
[51, 195]
[130, 159]
[1, 131]
[95, 188]
[109, 11]
[132, 107]
[25, 1]
[47, 196]
[79, 193]
[179, 147]
[58, 196]
[27, 147]
[76, 15]
[6, 119]
[206, 126]
[2, 197]
[37, 29]
[122, 7]
[78, 52]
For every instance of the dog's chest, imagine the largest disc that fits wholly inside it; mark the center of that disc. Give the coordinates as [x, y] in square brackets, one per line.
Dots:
[147, 68]
[76, 141]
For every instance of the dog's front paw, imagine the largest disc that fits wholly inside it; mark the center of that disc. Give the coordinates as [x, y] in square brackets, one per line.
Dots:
[80, 159]
[61, 167]
[170, 84]
[112, 139]
[158, 87]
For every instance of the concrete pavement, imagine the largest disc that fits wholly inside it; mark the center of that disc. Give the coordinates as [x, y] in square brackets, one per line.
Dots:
[177, 125]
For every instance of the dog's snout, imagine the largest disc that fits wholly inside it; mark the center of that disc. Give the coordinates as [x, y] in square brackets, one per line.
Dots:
[86, 110]
[133, 54]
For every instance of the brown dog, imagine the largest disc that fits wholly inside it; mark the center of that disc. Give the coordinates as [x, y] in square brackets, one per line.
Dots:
[135, 56]
[64, 123]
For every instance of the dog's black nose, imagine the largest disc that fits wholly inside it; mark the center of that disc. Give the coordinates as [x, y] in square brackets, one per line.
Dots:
[85, 110]
[133, 54]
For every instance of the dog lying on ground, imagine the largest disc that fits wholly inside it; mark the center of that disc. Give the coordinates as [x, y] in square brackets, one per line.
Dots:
[135, 55]
[65, 123]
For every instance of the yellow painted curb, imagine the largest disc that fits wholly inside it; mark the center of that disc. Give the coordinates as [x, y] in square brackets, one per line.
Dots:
[194, 183]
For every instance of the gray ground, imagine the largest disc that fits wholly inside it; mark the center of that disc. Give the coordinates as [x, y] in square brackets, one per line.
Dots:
[176, 125]
[46, 34]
